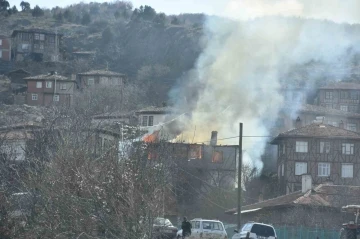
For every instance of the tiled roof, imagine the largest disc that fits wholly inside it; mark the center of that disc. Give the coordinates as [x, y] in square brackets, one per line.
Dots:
[101, 73]
[342, 86]
[323, 195]
[320, 131]
[48, 77]
[154, 109]
[35, 30]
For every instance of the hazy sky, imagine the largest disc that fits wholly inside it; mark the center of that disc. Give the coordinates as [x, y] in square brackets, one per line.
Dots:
[167, 6]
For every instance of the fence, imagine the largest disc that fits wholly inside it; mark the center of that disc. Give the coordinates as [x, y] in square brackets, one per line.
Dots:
[287, 232]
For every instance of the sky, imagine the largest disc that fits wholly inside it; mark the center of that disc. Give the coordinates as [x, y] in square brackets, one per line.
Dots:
[166, 6]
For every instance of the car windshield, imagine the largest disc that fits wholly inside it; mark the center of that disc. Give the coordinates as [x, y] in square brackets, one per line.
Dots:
[162, 221]
[208, 225]
[262, 230]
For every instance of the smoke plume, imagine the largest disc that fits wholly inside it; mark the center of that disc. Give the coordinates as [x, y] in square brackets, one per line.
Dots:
[247, 59]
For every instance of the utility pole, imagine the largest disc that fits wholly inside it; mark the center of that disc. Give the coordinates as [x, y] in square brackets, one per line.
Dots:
[239, 178]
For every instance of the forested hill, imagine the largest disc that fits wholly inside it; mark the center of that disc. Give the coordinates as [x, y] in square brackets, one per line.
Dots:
[145, 45]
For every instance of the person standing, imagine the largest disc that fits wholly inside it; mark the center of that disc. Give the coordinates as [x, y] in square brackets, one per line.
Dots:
[186, 228]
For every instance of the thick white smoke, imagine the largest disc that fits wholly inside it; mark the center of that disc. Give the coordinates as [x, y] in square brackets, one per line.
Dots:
[239, 73]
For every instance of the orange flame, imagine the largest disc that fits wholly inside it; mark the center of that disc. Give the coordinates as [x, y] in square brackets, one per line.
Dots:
[151, 138]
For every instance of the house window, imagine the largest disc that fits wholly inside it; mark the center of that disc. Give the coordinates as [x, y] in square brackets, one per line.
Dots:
[62, 86]
[300, 168]
[151, 121]
[38, 84]
[51, 39]
[25, 36]
[323, 169]
[354, 95]
[37, 36]
[144, 121]
[329, 106]
[324, 147]
[301, 147]
[56, 97]
[283, 148]
[347, 170]
[49, 84]
[347, 148]
[343, 95]
[42, 37]
[34, 96]
[344, 108]
[352, 127]
[25, 47]
[41, 46]
[352, 108]
[328, 95]
[90, 81]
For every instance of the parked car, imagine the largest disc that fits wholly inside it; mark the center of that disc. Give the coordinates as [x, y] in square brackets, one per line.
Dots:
[163, 229]
[254, 230]
[203, 228]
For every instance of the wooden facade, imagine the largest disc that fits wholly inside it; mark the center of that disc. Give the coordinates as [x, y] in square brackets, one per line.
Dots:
[332, 157]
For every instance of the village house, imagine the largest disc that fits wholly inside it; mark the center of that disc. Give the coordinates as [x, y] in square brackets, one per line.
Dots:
[49, 89]
[341, 95]
[97, 78]
[153, 116]
[5, 48]
[312, 207]
[324, 151]
[36, 44]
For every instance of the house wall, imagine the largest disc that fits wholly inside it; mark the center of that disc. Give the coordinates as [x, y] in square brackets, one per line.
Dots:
[101, 80]
[5, 49]
[49, 47]
[286, 162]
[46, 95]
[158, 118]
[336, 101]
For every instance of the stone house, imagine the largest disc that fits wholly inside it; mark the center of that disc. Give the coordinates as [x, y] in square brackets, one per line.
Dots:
[36, 44]
[341, 95]
[97, 78]
[317, 207]
[5, 48]
[50, 89]
[324, 151]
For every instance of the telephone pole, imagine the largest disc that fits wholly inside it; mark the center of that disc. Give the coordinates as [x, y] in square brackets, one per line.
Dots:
[239, 178]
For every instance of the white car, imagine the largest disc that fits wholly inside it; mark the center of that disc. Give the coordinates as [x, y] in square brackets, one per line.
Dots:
[254, 230]
[205, 229]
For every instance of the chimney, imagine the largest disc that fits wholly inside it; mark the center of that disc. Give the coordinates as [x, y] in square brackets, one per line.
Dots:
[213, 140]
[306, 183]
[341, 124]
[298, 122]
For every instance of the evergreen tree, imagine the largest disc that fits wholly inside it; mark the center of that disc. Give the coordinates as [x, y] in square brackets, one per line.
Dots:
[86, 19]
[37, 11]
[25, 6]
[4, 5]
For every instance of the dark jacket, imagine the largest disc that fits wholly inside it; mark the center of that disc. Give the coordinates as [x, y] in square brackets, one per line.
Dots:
[186, 227]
